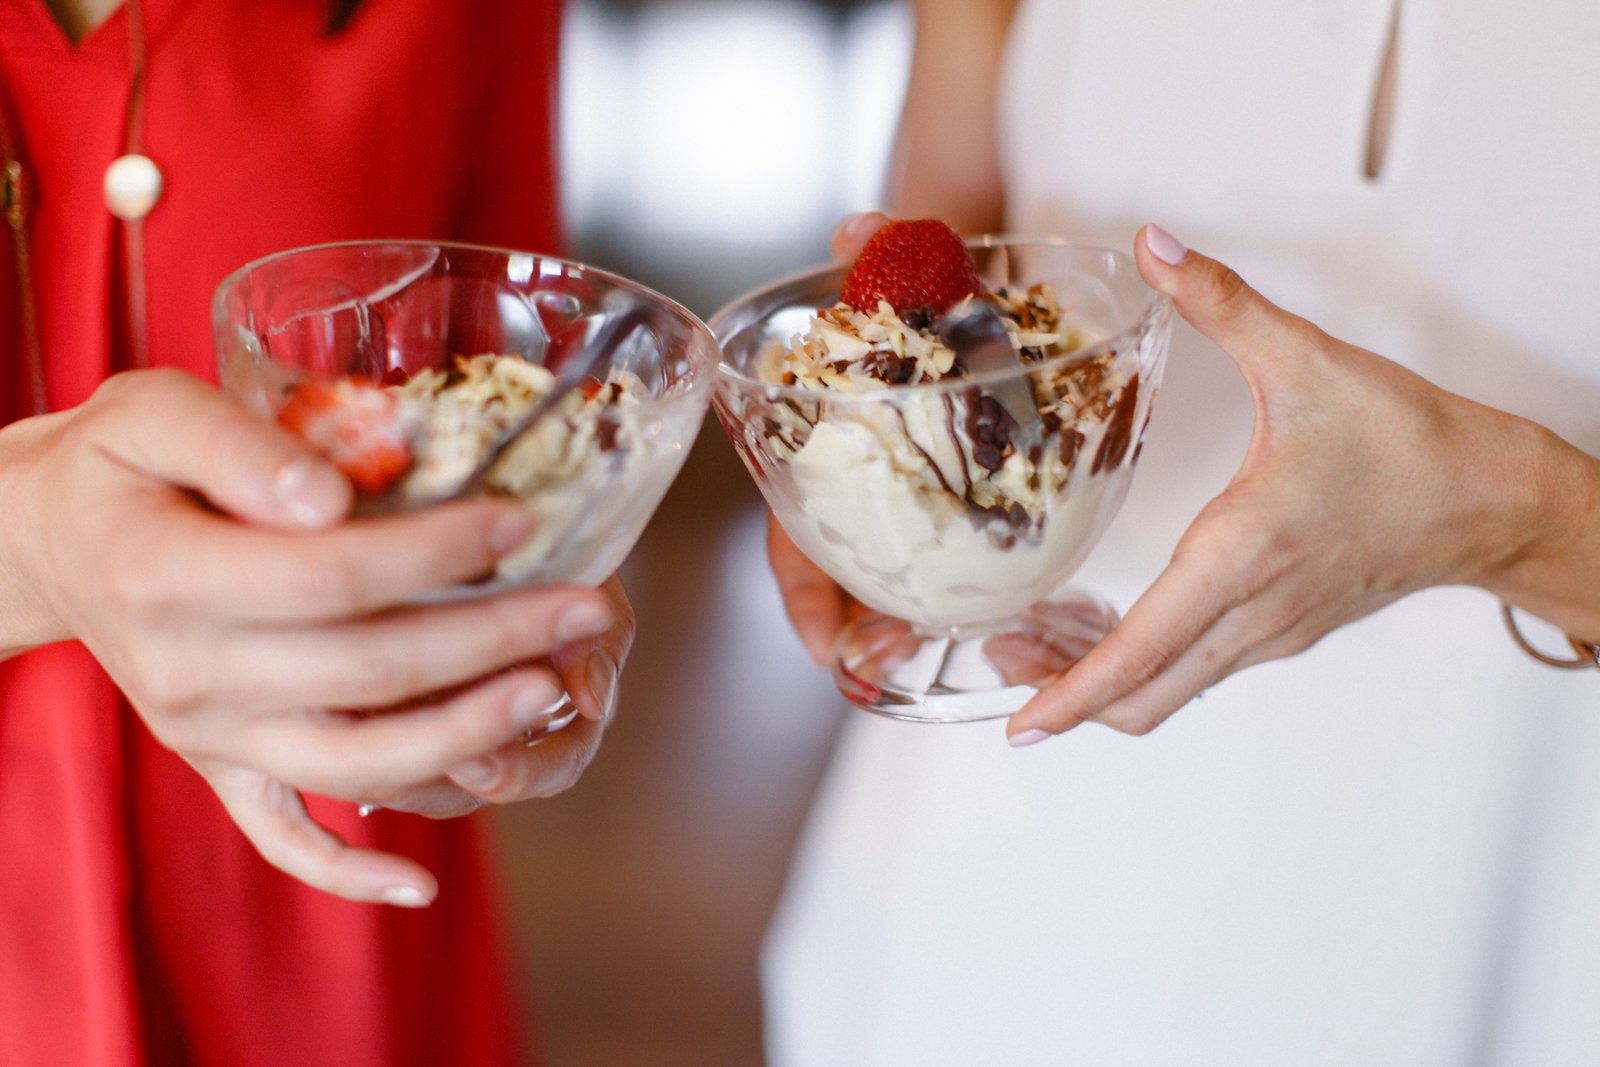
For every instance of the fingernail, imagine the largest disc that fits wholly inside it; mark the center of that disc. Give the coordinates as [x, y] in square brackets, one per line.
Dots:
[583, 619]
[861, 225]
[477, 775]
[1165, 247]
[1026, 738]
[602, 675]
[405, 896]
[310, 492]
[536, 703]
[512, 531]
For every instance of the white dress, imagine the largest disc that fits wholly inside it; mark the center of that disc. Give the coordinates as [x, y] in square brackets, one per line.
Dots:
[1385, 851]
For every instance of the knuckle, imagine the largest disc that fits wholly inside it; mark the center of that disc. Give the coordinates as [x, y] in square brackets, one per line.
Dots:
[517, 630]
[140, 588]
[119, 387]
[1228, 294]
[1146, 663]
[331, 582]
[379, 679]
[166, 690]
[141, 386]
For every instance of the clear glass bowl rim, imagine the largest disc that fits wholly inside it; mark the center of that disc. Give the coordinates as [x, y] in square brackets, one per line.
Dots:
[694, 323]
[1155, 305]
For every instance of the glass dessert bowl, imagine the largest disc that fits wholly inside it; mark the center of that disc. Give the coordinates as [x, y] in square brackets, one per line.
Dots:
[950, 488]
[432, 371]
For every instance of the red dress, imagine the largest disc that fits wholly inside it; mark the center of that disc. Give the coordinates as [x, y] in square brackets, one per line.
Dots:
[137, 925]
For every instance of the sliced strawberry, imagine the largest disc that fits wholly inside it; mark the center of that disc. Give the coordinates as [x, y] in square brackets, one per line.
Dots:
[355, 422]
[912, 264]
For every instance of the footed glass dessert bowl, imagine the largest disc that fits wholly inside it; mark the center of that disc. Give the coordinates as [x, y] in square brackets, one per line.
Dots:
[951, 469]
[429, 372]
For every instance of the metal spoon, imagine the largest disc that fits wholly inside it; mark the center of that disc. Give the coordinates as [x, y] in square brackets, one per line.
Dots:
[574, 370]
[981, 342]
[589, 360]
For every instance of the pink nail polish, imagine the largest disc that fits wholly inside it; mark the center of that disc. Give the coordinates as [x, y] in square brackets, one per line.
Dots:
[1165, 247]
[1027, 737]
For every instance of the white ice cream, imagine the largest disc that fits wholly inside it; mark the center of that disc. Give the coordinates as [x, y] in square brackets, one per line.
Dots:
[902, 545]
[580, 471]
[888, 493]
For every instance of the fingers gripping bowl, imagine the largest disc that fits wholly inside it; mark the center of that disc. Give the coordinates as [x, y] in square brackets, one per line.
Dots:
[416, 368]
[952, 495]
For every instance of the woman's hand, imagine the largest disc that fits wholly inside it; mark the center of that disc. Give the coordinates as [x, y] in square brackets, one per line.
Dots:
[1362, 483]
[817, 607]
[197, 552]
[550, 764]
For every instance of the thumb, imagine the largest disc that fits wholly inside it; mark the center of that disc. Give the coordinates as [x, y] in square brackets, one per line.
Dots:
[853, 234]
[177, 429]
[1213, 299]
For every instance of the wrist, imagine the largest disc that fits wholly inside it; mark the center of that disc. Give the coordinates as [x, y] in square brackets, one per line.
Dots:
[1548, 562]
[26, 620]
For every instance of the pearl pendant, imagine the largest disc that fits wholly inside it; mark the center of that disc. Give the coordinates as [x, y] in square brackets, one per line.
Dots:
[132, 186]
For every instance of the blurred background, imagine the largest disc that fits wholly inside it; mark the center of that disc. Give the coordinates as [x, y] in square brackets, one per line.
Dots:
[709, 146]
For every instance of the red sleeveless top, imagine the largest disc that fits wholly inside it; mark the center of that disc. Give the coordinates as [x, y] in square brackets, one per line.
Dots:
[137, 925]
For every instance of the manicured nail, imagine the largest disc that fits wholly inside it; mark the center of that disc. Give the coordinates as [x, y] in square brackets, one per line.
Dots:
[477, 775]
[861, 225]
[405, 896]
[1027, 737]
[512, 531]
[1164, 246]
[311, 493]
[602, 675]
[583, 619]
[853, 233]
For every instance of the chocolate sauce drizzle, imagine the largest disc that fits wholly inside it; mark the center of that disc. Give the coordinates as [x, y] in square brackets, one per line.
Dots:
[1119, 429]
[990, 429]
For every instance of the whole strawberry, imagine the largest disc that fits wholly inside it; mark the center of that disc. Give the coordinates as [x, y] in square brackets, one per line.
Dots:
[916, 263]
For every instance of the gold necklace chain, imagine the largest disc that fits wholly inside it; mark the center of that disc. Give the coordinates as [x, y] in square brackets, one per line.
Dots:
[133, 228]
[16, 194]
[15, 201]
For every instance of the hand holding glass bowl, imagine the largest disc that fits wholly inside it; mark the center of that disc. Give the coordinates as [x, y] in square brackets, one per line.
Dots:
[881, 486]
[467, 341]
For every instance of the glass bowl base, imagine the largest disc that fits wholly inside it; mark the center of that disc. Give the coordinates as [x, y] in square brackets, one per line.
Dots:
[966, 673]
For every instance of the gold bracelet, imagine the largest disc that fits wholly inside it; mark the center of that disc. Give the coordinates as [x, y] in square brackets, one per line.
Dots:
[1587, 655]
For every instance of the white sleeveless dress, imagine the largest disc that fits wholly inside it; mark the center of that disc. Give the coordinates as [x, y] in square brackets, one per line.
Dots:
[1385, 851]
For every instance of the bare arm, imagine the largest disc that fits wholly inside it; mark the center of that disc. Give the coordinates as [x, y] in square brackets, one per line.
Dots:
[946, 163]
